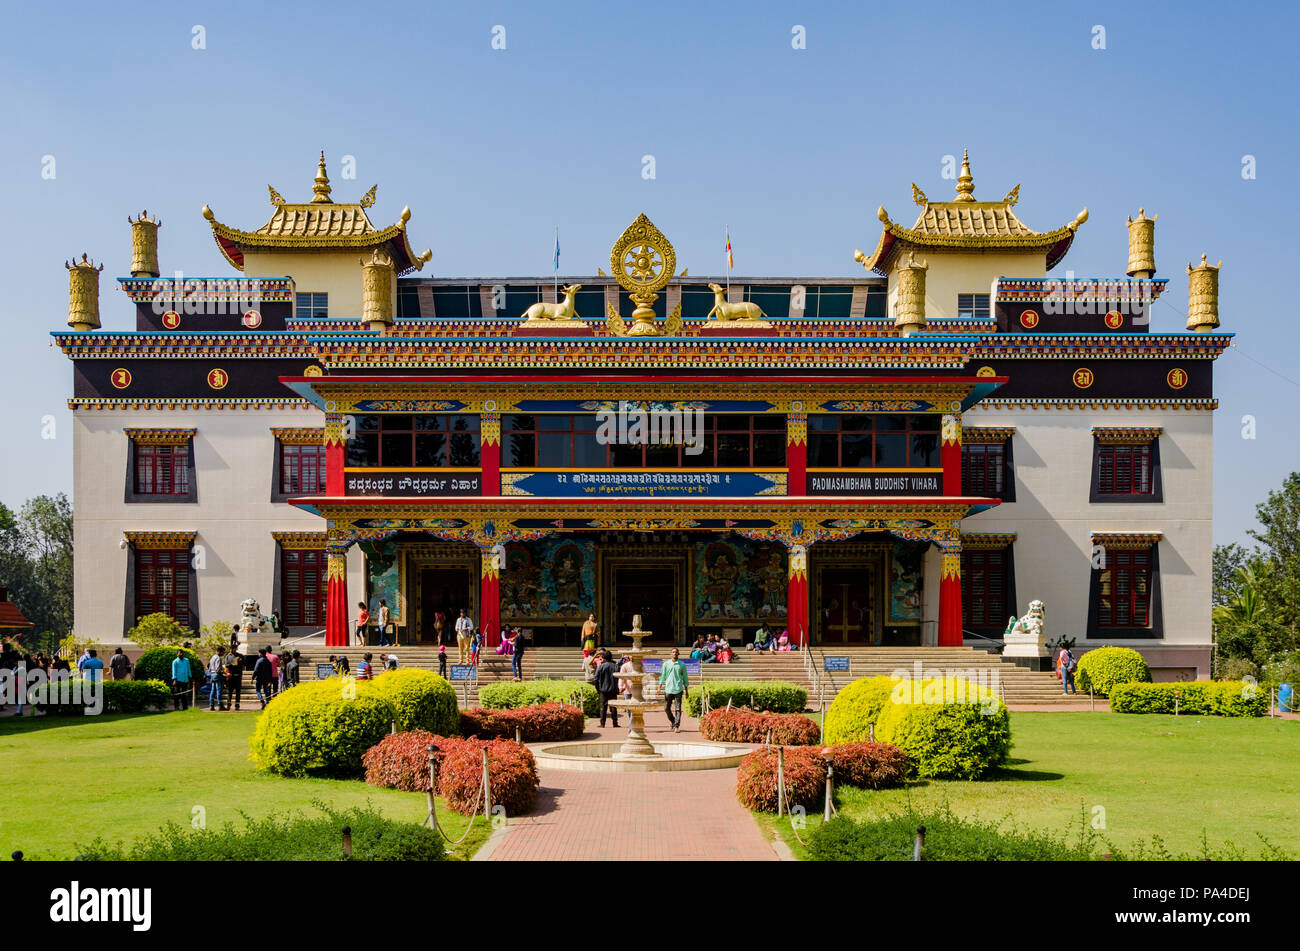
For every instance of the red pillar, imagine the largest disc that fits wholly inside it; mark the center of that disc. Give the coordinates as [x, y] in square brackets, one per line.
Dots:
[796, 453]
[950, 455]
[796, 604]
[950, 595]
[337, 632]
[334, 455]
[490, 453]
[489, 593]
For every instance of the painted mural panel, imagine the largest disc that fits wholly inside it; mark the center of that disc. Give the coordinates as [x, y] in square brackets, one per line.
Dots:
[905, 582]
[548, 579]
[383, 579]
[739, 579]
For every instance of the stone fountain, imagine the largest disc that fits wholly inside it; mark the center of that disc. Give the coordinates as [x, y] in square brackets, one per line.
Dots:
[636, 746]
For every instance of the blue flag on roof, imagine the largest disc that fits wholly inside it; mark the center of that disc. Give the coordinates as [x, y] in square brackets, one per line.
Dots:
[557, 250]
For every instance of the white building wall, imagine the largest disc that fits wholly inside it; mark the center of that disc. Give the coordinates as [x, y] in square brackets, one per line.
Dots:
[234, 455]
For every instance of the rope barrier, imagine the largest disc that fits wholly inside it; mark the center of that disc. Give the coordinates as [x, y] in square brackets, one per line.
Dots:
[432, 818]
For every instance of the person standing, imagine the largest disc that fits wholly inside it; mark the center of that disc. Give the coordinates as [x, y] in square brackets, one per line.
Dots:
[92, 668]
[1065, 664]
[120, 665]
[292, 669]
[181, 681]
[216, 676]
[363, 621]
[234, 675]
[625, 685]
[442, 661]
[439, 627]
[383, 623]
[589, 664]
[517, 654]
[475, 642]
[674, 680]
[276, 663]
[589, 629]
[464, 628]
[263, 673]
[607, 687]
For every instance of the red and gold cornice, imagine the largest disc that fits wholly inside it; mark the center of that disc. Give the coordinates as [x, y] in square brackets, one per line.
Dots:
[1118, 403]
[1126, 541]
[987, 435]
[185, 403]
[173, 541]
[301, 541]
[149, 346]
[1126, 436]
[159, 437]
[987, 541]
[299, 435]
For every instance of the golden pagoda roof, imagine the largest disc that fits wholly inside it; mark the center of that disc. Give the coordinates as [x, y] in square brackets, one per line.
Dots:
[967, 224]
[319, 225]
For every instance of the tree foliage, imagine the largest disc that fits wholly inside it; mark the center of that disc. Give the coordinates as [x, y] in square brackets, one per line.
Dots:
[36, 565]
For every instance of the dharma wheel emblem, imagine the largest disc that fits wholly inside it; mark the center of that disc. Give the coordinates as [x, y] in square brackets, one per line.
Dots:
[643, 262]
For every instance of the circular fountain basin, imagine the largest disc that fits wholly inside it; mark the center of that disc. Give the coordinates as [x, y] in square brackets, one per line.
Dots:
[598, 756]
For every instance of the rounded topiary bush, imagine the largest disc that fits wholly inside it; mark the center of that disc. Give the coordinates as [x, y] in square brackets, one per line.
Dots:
[510, 695]
[948, 727]
[746, 726]
[400, 761]
[512, 774]
[856, 708]
[539, 723]
[136, 696]
[1103, 667]
[756, 779]
[320, 728]
[156, 664]
[423, 700]
[768, 696]
[869, 765]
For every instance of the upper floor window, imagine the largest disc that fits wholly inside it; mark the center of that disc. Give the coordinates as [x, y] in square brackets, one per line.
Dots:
[302, 469]
[1126, 465]
[838, 441]
[986, 468]
[160, 465]
[739, 441]
[419, 442]
[309, 306]
[973, 306]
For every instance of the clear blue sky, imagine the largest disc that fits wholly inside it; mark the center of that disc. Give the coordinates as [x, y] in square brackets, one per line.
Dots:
[794, 149]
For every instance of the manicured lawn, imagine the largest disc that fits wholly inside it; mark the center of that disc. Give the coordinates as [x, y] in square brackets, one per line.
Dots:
[1169, 776]
[65, 782]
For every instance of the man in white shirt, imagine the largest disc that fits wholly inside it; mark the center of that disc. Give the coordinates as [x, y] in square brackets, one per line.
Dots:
[383, 623]
[464, 628]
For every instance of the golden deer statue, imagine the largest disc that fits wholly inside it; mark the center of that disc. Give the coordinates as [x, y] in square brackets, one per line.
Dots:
[745, 310]
[543, 310]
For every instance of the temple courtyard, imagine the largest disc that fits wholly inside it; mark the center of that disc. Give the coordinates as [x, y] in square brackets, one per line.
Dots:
[1179, 778]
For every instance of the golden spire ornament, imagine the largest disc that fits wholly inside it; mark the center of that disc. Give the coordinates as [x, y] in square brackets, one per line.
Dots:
[643, 262]
[965, 183]
[320, 191]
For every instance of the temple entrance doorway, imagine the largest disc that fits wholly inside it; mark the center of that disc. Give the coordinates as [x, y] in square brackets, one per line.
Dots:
[442, 589]
[849, 602]
[652, 591]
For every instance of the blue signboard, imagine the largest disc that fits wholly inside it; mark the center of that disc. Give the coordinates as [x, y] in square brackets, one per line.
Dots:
[692, 666]
[464, 672]
[614, 484]
[324, 671]
[655, 667]
[832, 664]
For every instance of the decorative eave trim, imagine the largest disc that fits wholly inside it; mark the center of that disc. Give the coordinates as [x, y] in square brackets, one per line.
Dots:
[987, 541]
[1028, 290]
[986, 435]
[161, 540]
[894, 238]
[177, 403]
[152, 346]
[1189, 346]
[301, 541]
[1116, 403]
[159, 437]
[299, 435]
[232, 239]
[1126, 436]
[143, 290]
[1127, 541]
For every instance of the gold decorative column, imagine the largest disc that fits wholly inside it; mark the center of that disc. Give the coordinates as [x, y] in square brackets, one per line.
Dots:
[83, 294]
[144, 245]
[909, 300]
[643, 262]
[1203, 296]
[1142, 246]
[377, 291]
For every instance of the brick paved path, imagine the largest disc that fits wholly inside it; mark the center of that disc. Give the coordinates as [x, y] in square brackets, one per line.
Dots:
[650, 816]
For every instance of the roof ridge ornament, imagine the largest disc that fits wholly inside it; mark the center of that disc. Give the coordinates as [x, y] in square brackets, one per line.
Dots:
[368, 199]
[276, 198]
[965, 183]
[320, 191]
[1013, 196]
[918, 196]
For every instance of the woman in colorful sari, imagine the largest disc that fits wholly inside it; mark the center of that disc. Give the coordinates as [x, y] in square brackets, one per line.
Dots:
[783, 642]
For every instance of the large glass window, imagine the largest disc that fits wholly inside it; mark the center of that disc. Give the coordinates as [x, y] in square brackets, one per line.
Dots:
[973, 306]
[309, 306]
[569, 441]
[422, 442]
[851, 441]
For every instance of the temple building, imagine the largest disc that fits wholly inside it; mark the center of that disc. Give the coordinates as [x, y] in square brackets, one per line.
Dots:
[906, 456]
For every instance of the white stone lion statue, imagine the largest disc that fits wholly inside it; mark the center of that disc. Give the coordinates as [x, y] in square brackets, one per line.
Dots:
[251, 619]
[1027, 637]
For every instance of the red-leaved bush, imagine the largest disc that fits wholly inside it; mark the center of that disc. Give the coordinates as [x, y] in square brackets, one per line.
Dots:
[512, 774]
[543, 722]
[400, 761]
[868, 765]
[756, 780]
[743, 725]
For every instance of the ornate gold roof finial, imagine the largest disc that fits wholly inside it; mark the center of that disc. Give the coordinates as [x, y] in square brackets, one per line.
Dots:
[144, 245]
[918, 196]
[320, 192]
[1141, 245]
[965, 183]
[83, 294]
[1203, 296]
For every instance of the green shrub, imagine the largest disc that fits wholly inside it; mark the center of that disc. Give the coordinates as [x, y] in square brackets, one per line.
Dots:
[156, 664]
[767, 696]
[1198, 698]
[136, 696]
[1235, 668]
[868, 765]
[159, 630]
[511, 696]
[856, 708]
[739, 725]
[1103, 667]
[948, 727]
[757, 778]
[320, 728]
[292, 838]
[423, 700]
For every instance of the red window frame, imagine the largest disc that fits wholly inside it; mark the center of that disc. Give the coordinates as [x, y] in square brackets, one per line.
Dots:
[984, 467]
[1124, 594]
[162, 470]
[302, 469]
[984, 588]
[302, 586]
[162, 583]
[1124, 469]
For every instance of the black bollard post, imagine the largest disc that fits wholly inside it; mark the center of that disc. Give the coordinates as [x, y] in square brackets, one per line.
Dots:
[18, 856]
[347, 842]
[920, 844]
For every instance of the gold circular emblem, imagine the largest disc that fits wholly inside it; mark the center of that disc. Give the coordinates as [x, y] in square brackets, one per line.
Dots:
[986, 371]
[120, 378]
[252, 320]
[1029, 319]
[642, 259]
[218, 378]
[313, 370]
[1083, 378]
[1176, 378]
[171, 320]
[1114, 320]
